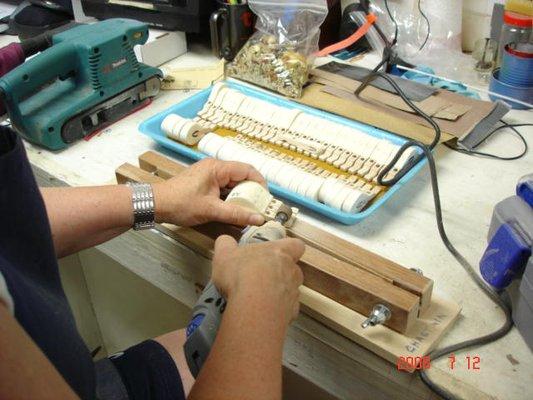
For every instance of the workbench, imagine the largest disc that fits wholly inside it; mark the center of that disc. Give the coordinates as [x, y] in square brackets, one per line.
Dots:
[404, 230]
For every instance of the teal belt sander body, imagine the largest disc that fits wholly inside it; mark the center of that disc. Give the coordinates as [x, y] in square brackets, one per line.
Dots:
[88, 79]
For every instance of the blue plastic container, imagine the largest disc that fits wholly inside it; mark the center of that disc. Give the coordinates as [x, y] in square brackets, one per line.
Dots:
[521, 93]
[190, 107]
[517, 67]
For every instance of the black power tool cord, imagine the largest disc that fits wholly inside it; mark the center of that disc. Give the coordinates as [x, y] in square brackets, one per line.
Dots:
[411, 143]
[427, 153]
[396, 28]
[494, 156]
[428, 25]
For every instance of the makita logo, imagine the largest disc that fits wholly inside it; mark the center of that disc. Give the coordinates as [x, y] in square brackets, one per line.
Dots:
[114, 65]
[118, 63]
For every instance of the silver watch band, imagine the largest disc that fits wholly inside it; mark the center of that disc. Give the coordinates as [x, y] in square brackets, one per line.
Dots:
[143, 205]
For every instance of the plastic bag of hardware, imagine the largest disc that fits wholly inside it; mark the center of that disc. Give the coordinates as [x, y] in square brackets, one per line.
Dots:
[278, 56]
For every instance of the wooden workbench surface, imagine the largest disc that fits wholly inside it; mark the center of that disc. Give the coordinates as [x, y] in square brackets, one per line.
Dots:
[403, 230]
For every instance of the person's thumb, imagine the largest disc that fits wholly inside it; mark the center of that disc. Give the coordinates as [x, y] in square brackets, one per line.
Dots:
[224, 244]
[234, 214]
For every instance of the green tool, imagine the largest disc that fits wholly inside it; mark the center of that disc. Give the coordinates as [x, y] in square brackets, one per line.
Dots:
[88, 79]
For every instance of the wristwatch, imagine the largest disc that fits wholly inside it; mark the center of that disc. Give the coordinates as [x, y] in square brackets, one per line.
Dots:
[142, 197]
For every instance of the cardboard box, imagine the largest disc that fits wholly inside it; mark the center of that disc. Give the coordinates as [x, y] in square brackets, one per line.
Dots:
[161, 47]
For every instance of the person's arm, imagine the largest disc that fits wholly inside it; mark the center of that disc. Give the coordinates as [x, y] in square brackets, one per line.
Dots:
[87, 216]
[261, 285]
[25, 372]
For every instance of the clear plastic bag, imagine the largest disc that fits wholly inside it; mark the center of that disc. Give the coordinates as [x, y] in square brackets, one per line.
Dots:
[435, 41]
[278, 56]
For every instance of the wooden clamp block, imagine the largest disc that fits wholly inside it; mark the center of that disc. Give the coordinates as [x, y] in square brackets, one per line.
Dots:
[387, 343]
[356, 288]
[343, 250]
[399, 276]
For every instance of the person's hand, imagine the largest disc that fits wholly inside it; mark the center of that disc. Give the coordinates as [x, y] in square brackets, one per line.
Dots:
[193, 197]
[266, 271]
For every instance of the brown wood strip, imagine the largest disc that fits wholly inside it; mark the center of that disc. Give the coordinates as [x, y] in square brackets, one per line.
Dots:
[357, 290]
[160, 165]
[399, 276]
[129, 173]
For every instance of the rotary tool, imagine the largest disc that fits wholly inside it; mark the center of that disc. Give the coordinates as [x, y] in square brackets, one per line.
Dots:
[207, 312]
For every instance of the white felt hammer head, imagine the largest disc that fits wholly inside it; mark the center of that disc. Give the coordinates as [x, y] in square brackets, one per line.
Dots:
[355, 201]
[206, 139]
[215, 91]
[314, 187]
[190, 133]
[169, 122]
[213, 146]
[176, 130]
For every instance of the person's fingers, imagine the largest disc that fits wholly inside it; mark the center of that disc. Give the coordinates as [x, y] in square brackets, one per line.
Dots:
[232, 214]
[299, 276]
[296, 310]
[232, 172]
[224, 244]
[295, 248]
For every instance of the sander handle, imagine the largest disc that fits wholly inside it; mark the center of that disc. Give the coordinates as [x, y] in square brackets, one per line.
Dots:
[20, 84]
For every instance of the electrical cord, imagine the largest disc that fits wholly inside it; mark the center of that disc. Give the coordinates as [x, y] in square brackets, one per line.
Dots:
[427, 153]
[371, 77]
[494, 156]
[493, 295]
[428, 24]
[396, 28]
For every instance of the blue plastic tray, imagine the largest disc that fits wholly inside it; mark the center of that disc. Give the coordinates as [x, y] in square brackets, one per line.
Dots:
[190, 107]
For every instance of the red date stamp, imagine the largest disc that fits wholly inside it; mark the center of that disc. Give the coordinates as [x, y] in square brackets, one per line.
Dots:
[413, 363]
[472, 362]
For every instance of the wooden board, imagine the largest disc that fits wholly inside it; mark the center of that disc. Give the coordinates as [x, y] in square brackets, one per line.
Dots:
[356, 289]
[418, 341]
[159, 165]
[330, 244]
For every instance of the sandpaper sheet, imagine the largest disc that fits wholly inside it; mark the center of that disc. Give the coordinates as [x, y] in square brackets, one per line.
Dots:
[436, 106]
[458, 128]
[453, 112]
[484, 128]
[414, 91]
[432, 106]
[450, 112]
[386, 98]
[378, 116]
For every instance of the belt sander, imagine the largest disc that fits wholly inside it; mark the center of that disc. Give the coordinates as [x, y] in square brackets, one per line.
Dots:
[88, 79]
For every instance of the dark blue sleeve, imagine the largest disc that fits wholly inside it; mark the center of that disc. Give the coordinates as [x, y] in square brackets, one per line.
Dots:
[29, 266]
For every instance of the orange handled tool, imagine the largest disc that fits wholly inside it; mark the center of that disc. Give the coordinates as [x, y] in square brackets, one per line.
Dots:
[358, 34]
